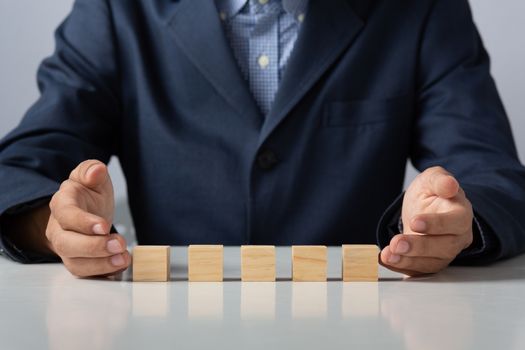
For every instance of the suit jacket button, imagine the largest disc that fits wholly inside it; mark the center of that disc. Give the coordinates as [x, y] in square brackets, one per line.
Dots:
[267, 159]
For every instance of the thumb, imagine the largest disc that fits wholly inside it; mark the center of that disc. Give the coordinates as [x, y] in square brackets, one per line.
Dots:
[92, 174]
[442, 183]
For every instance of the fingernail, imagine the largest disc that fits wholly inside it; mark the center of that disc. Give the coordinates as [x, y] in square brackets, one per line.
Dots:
[402, 247]
[114, 246]
[117, 260]
[90, 169]
[393, 259]
[98, 230]
[419, 226]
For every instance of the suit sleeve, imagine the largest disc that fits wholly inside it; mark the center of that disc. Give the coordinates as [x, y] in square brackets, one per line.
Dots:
[74, 119]
[462, 126]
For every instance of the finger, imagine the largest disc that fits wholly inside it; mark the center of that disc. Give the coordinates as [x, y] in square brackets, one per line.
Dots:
[71, 218]
[69, 244]
[403, 271]
[441, 182]
[452, 222]
[411, 266]
[92, 174]
[91, 267]
[445, 247]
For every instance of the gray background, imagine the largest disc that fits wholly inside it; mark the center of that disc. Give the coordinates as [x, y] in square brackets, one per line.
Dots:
[26, 36]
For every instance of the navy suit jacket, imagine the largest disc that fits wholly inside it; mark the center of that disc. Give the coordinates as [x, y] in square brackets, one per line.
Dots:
[370, 84]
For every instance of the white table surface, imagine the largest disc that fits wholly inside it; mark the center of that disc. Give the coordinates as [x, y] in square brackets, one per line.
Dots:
[44, 307]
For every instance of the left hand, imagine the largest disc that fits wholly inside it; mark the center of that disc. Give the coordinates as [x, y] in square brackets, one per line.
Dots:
[437, 225]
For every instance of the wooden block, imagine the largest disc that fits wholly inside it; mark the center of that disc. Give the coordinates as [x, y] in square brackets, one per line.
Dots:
[309, 263]
[151, 263]
[205, 263]
[360, 262]
[257, 263]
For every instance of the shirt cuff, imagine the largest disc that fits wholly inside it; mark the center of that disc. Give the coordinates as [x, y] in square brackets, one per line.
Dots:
[388, 225]
[10, 250]
[479, 240]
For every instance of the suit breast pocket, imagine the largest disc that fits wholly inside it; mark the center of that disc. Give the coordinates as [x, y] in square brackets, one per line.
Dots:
[357, 113]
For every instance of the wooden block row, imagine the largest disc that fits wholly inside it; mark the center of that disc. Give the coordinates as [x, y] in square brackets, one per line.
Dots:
[205, 263]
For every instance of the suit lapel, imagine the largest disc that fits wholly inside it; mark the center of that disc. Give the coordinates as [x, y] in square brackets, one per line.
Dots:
[328, 29]
[198, 32]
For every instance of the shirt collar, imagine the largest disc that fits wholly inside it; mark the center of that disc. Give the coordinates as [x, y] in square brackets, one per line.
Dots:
[230, 8]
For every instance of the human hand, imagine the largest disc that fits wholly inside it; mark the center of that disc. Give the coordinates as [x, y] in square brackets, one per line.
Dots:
[81, 216]
[437, 219]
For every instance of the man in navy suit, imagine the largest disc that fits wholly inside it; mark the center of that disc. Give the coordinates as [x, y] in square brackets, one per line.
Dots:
[265, 122]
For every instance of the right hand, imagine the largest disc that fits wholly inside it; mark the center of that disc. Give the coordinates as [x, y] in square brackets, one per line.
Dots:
[80, 221]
